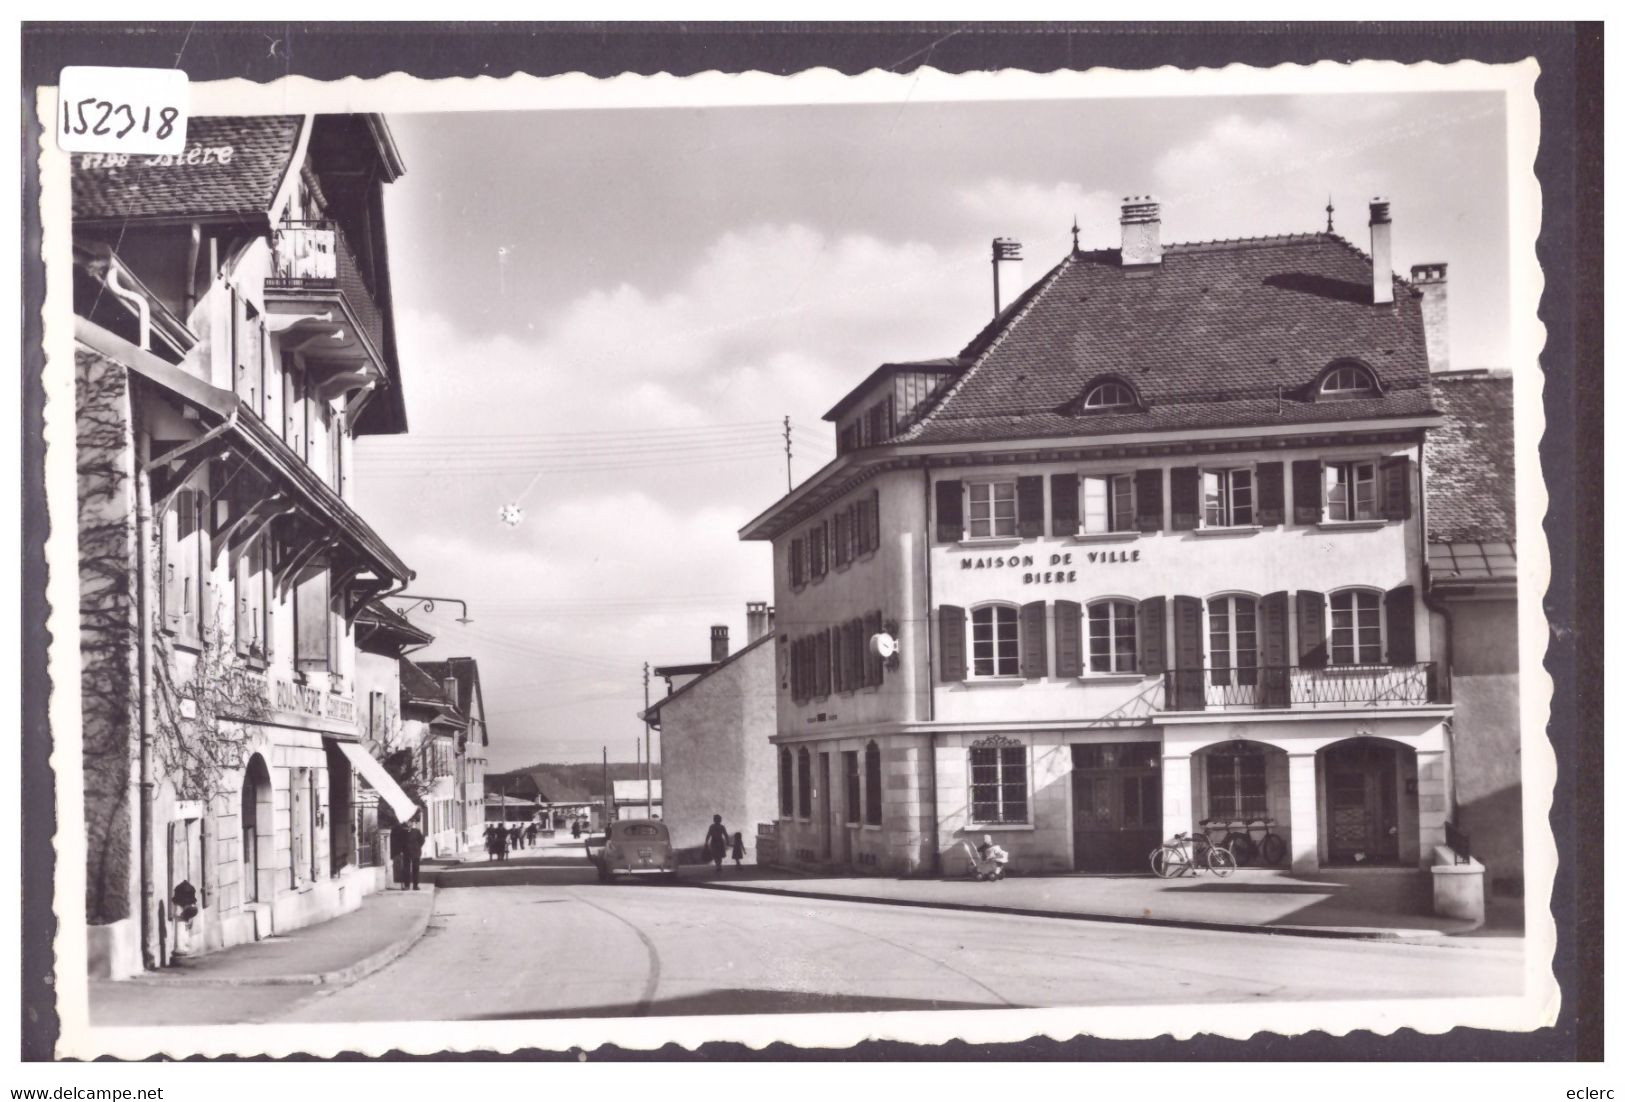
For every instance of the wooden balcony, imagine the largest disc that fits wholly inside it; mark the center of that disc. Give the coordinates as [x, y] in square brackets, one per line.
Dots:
[312, 264]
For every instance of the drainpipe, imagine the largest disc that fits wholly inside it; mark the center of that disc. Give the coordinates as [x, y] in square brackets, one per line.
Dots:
[144, 606]
[930, 677]
[1433, 604]
[192, 248]
[143, 310]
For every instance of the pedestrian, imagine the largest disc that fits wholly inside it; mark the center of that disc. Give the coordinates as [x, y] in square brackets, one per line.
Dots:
[414, 853]
[490, 843]
[183, 904]
[575, 829]
[501, 835]
[514, 837]
[739, 849]
[397, 851]
[716, 842]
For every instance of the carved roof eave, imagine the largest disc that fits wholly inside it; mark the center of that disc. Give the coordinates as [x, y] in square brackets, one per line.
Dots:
[846, 472]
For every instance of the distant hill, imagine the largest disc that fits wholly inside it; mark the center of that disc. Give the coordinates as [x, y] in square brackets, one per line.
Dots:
[572, 782]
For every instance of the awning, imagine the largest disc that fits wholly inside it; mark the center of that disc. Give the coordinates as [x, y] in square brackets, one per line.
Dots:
[375, 775]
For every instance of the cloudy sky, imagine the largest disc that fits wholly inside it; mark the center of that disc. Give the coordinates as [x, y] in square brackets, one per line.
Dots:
[604, 317]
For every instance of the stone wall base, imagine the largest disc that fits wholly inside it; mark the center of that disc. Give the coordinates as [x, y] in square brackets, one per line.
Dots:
[113, 949]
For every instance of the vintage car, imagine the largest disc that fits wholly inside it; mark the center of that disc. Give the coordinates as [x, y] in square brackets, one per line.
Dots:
[634, 847]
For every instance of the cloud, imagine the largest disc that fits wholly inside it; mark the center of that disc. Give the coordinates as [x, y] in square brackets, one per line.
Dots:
[632, 554]
[1039, 215]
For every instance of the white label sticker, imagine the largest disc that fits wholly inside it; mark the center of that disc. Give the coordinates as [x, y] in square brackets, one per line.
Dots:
[108, 109]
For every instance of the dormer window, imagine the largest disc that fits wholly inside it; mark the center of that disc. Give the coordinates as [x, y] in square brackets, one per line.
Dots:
[1108, 395]
[1347, 380]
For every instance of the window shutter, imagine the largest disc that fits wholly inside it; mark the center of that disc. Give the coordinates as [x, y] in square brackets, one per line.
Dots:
[873, 663]
[1063, 493]
[1274, 684]
[1311, 629]
[1271, 494]
[951, 642]
[874, 522]
[1401, 615]
[242, 580]
[1030, 505]
[1187, 675]
[950, 511]
[1150, 614]
[1148, 499]
[1034, 641]
[267, 559]
[1185, 490]
[169, 566]
[1306, 491]
[837, 658]
[1068, 639]
[821, 661]
[798, 563]
[310, 616]
[1396, 488]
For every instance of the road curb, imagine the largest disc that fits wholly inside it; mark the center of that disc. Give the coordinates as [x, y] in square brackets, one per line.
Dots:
[1348, 933]
[349, 974]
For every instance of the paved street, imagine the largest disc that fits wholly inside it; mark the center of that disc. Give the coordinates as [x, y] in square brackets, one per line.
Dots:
[563, 945]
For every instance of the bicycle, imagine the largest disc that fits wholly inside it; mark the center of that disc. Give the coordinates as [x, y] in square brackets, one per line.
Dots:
[1243, 846]
[1181, 854]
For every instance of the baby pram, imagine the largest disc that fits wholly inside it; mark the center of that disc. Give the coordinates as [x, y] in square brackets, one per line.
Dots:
[988, 861]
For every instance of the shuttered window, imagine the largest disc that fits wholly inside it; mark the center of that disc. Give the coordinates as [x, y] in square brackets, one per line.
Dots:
[1030, 505]
[1148, 499]
[798, 562]
[842, 531]
[1311, 628]
[950, 511]
[1108, 504]
[1227, 498]
[853, 810]
[951, 642]
[874, 667]
[1112, 633]
[1306, 479]
[1356, 635]
[1063, 496]
[1351, 490]
[1185, 492]
[1271, 494]
[1034, 640]
[185, 565]
[992, 509]
[310, 616]
[252, 585]
[995, 642]
[1232, 652]
[873, 793]
[1400, 611]
[1153, 645]
[1395, 486]
[1068, 639]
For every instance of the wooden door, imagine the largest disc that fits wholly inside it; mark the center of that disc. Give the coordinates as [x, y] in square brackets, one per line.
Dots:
[826, 840]
[1116, 806]
[1362, 807]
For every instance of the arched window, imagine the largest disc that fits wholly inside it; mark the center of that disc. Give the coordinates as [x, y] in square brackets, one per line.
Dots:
[1112, 637]
[1356, 628]
[803, 784]
[871, 784]
[1347, 380]
[1232, 640]
[995, 639]
[787, 784]
[1108, 394]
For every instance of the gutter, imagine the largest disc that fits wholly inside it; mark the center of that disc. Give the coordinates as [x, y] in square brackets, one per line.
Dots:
[143, 610]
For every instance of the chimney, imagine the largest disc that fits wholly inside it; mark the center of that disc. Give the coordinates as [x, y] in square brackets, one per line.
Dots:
[1142, 230]
[758, 620]
[1382, 253]
[1429, 279]
[719, 642]
[1007, 281]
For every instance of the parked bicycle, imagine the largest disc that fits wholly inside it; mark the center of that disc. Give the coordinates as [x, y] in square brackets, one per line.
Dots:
[1239, 839]
[1182, 854]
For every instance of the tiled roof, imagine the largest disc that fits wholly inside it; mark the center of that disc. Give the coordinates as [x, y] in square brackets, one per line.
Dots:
[467, 673]
[1220, 334]
[1470, 478]
[417, 684]
[380, 616]
[156, 187]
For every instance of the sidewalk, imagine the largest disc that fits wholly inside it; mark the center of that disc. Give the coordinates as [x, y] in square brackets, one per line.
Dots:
[338, 951]
[1359, 903]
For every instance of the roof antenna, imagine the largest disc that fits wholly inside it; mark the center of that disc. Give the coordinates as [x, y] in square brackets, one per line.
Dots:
[1329, 214]
[1074, 233]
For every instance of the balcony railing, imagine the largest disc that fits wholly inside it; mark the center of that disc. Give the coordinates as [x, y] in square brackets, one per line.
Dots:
[1210, 689]
[316, 257]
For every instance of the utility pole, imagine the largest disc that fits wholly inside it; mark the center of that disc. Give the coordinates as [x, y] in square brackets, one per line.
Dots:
[648, 750]
[608, 805]
[788, 484]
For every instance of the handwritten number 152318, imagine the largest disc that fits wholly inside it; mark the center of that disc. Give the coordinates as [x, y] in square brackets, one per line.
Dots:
[100, 117]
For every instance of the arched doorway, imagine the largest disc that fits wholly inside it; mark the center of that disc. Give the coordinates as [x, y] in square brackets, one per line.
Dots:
[1242, 787]
[1370, 803]
[257, 825]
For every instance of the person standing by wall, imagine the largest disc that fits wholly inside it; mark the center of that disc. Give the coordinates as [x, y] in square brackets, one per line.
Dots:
[716, 842]
[414, 854]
